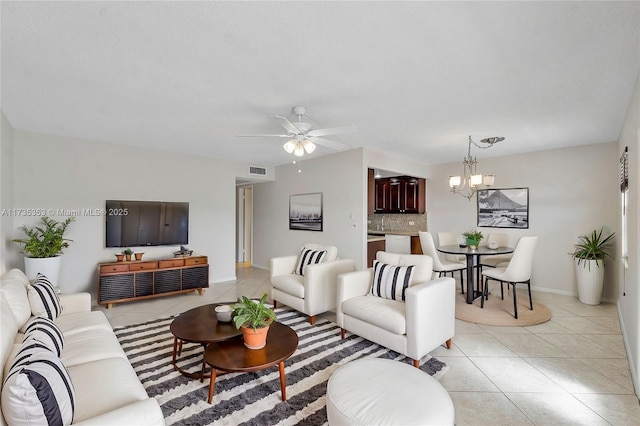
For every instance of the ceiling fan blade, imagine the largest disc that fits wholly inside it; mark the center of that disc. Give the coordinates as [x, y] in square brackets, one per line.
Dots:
[287, 124]
[333, 131]
[328, 143]
[264, 136]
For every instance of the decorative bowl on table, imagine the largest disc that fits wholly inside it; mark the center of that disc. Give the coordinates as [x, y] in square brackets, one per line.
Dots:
[223, 313]
[492, 245]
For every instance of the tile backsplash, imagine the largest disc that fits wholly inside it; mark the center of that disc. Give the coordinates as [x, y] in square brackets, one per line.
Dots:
[397, 222]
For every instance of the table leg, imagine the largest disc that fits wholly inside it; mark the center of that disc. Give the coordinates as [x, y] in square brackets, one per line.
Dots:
[212, 384]
[204, 348]
[470, 289]
[175, 349]
[283, 381]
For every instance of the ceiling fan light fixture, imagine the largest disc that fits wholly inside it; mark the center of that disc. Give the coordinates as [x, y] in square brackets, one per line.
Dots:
[289, 146]
[309, 146]
[298, 151]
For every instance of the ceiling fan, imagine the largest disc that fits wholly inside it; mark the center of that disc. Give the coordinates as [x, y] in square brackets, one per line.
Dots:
[302, 137]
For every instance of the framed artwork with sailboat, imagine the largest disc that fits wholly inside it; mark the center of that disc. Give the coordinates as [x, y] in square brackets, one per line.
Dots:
[503, 208]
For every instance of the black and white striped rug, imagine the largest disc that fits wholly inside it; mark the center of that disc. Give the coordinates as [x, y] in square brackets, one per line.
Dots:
[250, 398]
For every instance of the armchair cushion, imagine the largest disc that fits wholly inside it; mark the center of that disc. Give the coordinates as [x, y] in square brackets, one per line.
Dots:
[290, 284]
[387, 314]
[308, 257]
[391, 282]
[423, 264]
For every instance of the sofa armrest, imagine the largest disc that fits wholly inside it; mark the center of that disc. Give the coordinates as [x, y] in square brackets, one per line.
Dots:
[141, 413]
[431, 315]
[350, 285]
[283, 265]
[75, 302]
[320, 284]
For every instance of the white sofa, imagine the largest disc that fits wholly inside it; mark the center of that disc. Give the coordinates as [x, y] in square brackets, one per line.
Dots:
[414, 327]
[313, 293]
[107, 390]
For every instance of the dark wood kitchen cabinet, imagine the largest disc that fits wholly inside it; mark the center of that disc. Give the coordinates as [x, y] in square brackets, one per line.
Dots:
[402, 194]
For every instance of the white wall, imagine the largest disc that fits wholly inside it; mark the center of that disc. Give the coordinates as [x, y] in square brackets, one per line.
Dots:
[52, 172]
[628, 292]
[341, 180]
[8, 255]
[571, 192]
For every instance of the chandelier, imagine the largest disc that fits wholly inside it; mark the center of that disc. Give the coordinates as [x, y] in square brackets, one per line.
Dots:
[470, 176]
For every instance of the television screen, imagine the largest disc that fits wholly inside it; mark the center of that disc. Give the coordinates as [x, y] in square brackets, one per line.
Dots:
[146, 223]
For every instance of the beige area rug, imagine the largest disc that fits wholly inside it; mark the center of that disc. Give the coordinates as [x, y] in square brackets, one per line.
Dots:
[500, 312]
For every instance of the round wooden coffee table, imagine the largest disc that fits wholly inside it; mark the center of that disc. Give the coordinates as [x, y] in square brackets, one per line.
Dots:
[199, 325]
[233, 357]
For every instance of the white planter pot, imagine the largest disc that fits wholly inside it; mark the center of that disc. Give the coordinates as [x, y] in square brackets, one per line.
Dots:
[47, 266]
[590, 278]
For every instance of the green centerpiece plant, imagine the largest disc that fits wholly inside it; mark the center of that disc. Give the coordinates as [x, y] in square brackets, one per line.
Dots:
[473, 238]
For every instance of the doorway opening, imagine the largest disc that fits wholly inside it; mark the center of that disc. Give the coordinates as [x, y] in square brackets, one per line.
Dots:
[244, 225]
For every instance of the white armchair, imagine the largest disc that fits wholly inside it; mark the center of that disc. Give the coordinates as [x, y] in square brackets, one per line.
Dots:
[413, 328]
[314, 292]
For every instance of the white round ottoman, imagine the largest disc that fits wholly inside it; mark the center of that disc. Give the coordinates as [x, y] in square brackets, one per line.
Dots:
[376, 391]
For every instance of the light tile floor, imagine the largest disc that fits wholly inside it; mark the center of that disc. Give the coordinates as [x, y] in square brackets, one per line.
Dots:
[571, 370]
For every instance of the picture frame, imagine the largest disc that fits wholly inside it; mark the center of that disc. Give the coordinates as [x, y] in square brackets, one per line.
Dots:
[305, 212]
[503, 208]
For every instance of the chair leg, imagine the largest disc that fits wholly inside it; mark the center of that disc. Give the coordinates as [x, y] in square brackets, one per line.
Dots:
[312, 319]
[484, 290]
[501, 290]
[448, 343]
[343, 332]
[461, 281]
[275, 304]
[515, 301]
[530, 300]
[416, 363]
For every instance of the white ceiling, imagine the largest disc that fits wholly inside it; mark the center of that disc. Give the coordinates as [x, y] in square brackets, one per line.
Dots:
[416, 77]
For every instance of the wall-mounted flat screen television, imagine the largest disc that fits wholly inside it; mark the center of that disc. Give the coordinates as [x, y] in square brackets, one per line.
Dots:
[146, 223]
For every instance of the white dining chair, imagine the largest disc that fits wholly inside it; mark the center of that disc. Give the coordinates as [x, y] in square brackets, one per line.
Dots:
[449, 239]
[517, 271]
[492, 261]
[441, 266]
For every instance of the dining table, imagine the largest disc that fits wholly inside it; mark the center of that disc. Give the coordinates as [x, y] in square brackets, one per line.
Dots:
[473, 258]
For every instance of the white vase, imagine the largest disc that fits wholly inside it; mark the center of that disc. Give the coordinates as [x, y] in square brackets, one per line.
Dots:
[590, 279]
[47, 266]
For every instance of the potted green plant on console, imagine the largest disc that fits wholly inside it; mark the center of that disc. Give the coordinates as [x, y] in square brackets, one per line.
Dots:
[254, 319]
[43, 248]
[473, 238]
[589, 256]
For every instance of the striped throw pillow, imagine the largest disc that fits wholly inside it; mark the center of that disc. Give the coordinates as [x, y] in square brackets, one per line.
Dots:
[43, 298]
[308, 257]
[46, 332]
[391, 282]
[38, 389]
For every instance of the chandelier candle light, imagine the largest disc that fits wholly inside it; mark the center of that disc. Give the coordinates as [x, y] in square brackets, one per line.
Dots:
[471, 176]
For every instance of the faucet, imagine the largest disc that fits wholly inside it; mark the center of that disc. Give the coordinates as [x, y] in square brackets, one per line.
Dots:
[382, 224]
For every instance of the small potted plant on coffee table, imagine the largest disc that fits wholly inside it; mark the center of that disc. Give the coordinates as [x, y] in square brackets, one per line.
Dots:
[254, 319]
[473, 239]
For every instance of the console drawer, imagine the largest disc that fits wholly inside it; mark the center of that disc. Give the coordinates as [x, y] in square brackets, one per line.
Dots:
[112, 269]
[173, 263]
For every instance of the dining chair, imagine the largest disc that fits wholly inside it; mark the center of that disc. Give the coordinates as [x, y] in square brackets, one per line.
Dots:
[492, 261]
[449, 239]
[517, 271]
[441, 266]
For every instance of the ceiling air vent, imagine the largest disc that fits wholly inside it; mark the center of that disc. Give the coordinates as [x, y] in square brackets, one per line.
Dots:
[253, 170]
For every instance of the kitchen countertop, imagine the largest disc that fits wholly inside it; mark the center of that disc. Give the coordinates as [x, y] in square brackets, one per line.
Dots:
[391, 232]
[371, 238]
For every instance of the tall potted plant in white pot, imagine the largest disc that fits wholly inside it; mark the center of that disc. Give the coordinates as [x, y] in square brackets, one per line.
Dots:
[43, 248]
[589, 257]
